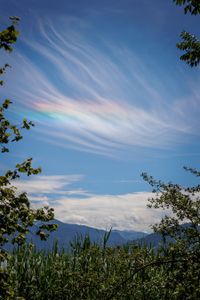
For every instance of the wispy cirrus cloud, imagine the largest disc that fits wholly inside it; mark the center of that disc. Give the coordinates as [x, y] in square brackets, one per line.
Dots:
[99, 97]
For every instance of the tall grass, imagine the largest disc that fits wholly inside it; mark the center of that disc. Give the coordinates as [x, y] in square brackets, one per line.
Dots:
[87, 272]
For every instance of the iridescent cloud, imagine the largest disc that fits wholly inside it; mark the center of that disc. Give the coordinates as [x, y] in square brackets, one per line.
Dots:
[98, 99]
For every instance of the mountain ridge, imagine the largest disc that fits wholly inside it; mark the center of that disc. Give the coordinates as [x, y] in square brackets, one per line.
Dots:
[67, 233]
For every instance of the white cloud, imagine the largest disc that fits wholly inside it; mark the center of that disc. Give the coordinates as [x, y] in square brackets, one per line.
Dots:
[76, 205]
[47, 184]
[127, 211]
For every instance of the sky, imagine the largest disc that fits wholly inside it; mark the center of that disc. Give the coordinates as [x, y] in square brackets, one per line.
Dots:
[103, 83]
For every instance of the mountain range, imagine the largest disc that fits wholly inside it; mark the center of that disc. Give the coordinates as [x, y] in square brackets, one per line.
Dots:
[66, 234]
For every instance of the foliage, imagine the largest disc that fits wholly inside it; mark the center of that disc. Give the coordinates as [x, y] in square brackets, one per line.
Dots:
[191, 6]
[182, 224]
[16, 215]
[133, 271]
[8, 37]
[88, 272]
[93, 272]
[190, 44]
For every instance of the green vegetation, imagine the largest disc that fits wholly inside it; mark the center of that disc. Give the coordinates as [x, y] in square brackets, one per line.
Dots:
[171, 271]
[191, 6]
[90, 272]
[16, 214]
[126, 272]
[190, 44]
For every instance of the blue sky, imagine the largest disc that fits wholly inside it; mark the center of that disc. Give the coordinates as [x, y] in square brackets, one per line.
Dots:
[103, 82]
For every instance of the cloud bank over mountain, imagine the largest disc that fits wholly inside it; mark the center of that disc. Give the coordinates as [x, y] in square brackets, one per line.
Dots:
[74, 205]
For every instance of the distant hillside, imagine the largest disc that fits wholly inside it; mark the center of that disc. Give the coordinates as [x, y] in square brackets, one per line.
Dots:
[155, 239]
[151, 240]
[67, 233]
[131, 235]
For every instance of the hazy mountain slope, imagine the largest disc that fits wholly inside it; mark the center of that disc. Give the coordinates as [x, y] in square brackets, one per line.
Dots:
[131, 235]
[67, 233]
